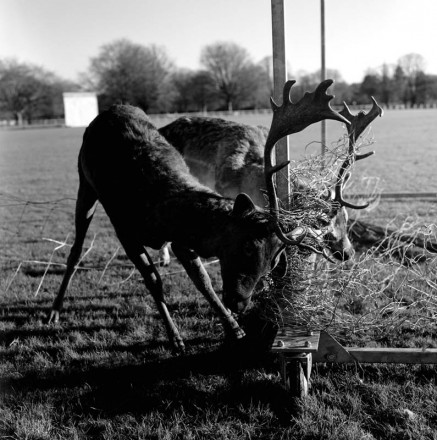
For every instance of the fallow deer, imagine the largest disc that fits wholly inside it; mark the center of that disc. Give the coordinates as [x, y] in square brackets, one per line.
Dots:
[150, 197]
[335, 235]
[229, 157]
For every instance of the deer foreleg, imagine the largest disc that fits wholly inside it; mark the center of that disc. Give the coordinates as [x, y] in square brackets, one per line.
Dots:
[153, 282]
[198, 274]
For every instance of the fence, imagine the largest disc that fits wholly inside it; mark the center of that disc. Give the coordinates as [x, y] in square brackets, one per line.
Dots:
[157, 118]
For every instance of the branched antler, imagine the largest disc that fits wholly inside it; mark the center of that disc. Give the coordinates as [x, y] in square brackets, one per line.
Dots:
[358, 123]
[292, 117]
[287, 119]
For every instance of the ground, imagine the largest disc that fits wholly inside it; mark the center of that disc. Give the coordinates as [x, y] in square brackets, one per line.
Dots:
[107, 372]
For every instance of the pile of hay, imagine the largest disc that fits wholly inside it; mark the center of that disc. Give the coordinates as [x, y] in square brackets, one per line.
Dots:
[373, 298]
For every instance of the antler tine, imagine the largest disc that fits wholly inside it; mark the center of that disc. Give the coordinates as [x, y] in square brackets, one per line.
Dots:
[358, 123]
[290, 118]
[285, 95]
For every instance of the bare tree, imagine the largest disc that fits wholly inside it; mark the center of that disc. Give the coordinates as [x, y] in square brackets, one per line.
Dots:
[267, 65]
[308, 81]
[413, 66]
[194, 91]
[371, 84]
[399, 81]
[28, 91]
[126, 72]
[387, 89]
[235, 75]
[203, 92]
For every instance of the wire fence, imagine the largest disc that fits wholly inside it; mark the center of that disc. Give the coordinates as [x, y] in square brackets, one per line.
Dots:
[38, 219]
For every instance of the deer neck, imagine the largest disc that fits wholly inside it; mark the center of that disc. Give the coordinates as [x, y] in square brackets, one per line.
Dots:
[197, 221]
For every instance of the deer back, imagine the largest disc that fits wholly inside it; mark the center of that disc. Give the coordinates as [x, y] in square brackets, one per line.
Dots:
[124, 155]
[224, 155]
[134, 172]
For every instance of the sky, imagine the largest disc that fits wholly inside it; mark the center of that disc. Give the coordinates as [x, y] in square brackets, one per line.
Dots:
[62, 35]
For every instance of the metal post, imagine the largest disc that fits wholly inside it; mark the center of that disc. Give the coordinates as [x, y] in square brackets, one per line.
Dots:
[323, 74]
[279, 79]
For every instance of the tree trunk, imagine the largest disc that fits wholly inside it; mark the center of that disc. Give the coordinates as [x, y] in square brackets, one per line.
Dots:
[19, 118]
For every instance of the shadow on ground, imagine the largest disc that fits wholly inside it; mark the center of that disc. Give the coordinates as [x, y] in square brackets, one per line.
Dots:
[227, 375]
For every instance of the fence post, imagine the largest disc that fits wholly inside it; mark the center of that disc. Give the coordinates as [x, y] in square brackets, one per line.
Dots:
[279, 78]
[323, 73]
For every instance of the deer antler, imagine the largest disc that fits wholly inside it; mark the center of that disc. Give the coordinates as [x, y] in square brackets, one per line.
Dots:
[358, 123]
[292, 117]
[287, 119]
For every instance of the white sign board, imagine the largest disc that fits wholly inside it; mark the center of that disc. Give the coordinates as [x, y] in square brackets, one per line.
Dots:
[80, 108]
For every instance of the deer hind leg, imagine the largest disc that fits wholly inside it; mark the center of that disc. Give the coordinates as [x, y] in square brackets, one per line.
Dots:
[164, 255]
[198, 274]
[143, 262]
[85, 208]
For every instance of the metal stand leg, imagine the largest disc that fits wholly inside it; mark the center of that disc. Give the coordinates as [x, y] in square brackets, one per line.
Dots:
[296, 372]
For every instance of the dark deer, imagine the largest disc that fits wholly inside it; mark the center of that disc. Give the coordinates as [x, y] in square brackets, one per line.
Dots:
[150, 197]
[229, 157]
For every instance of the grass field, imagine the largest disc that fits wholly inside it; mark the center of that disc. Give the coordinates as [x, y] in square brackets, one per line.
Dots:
[106, 372]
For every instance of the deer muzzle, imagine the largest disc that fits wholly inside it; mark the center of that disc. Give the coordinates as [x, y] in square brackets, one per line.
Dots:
[237, 294]
[236, 305]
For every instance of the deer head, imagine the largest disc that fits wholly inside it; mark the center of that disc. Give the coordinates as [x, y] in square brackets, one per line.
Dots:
[337, 237]
[246, 259]
[287, 119]
[250, 250]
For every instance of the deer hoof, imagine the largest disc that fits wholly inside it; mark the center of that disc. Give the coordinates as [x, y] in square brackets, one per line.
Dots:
[236, 333]
[239, 333]
[178, 345]
[54, 317]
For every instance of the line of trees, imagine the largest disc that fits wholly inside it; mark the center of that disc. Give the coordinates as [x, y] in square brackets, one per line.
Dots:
[126, 72]
[28, 92]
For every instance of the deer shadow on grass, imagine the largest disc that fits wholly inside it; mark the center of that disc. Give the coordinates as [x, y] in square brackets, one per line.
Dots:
[116, 308]
[197, 383]
[208, 378]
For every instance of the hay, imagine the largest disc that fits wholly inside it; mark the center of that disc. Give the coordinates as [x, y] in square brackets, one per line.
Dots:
[373, 298]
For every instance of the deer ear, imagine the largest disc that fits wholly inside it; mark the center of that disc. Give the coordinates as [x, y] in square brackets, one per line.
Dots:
[242, 205]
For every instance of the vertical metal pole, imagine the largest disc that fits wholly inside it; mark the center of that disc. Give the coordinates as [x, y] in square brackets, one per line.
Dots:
[279, 78]
[323, 73]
